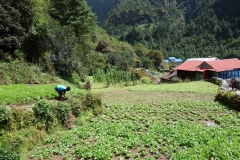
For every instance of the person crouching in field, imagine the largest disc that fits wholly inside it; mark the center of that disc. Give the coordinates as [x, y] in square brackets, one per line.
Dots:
[61, 91]
[234, 84]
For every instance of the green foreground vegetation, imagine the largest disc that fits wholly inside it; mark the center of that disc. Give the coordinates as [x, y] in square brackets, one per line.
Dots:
[124, 112]
[170, 130]
[29, 93]
[148, 125]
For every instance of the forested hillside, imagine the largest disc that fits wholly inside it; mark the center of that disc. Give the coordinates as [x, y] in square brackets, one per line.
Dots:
[101, 8]
[63, 35]
[66, 35]
[181, 28]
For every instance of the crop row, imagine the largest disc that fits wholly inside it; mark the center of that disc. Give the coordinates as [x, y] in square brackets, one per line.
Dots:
[170, 130]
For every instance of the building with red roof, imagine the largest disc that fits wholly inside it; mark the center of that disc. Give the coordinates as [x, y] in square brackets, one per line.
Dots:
[197, 70]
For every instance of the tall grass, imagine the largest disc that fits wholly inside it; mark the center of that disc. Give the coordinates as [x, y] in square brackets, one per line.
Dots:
[20, 72]
[114, 76]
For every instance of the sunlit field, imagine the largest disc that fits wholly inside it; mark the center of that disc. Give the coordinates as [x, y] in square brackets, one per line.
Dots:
[190, 125]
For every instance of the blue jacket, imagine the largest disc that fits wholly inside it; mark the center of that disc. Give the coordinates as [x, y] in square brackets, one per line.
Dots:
[61, 88]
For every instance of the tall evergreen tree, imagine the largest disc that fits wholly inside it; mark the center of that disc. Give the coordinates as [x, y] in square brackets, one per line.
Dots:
[80, 17]
[57, 9]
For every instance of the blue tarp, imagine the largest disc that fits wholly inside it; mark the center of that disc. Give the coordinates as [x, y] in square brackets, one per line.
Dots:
[173, 59]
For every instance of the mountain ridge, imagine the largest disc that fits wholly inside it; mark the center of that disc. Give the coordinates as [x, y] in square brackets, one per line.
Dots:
[181, 28]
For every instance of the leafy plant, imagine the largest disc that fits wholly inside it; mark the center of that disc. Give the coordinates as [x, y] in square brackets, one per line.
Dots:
[9, 155]
[21, 118]
[64, 112]
[145, 80]
[92, 100]
[4, 117]
[176, 80]
[44, 112]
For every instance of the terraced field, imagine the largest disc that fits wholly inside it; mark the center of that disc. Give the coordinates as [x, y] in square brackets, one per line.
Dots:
[150, 124]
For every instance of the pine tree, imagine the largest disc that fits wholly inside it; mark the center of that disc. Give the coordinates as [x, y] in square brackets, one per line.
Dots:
[80, 17]
[57, 9]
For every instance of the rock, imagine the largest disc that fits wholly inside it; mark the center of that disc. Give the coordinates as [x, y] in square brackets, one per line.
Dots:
[224, 86]
[209, 123]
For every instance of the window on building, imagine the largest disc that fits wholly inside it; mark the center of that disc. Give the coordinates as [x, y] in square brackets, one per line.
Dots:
[225, 75]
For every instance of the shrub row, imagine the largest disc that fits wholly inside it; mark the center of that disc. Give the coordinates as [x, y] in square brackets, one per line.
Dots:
[47, 113]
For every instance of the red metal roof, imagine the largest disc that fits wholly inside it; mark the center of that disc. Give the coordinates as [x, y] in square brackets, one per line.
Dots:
[225, 64]
[218, 65]
[189, 65]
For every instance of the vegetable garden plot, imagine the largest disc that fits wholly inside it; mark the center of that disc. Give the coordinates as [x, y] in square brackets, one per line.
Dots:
[167, 131]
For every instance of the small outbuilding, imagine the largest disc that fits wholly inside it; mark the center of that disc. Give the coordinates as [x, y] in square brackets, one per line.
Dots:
[173, 60]
[168, 77]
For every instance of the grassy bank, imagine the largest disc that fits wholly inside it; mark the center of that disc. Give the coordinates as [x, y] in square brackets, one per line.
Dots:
[28, 93]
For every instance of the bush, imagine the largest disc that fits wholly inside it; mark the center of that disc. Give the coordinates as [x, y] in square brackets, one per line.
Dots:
[92, 100]
[4, 117]
[228, 98]
[8, 155]
[75, 79]
[44, 112]
[215, 80]
[139, 74]
[20, 118]
[98, 110]
[77, 109]
[176, 80]
[187, 80]
[64, 112]
[145, 80]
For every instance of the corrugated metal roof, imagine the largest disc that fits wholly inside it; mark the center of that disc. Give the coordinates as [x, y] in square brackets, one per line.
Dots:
[225, 64]
[189, 65]
[217, 65]
[203, 59]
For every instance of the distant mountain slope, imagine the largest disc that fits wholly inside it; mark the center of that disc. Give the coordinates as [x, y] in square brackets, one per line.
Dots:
[101, 8]
[181, 28]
